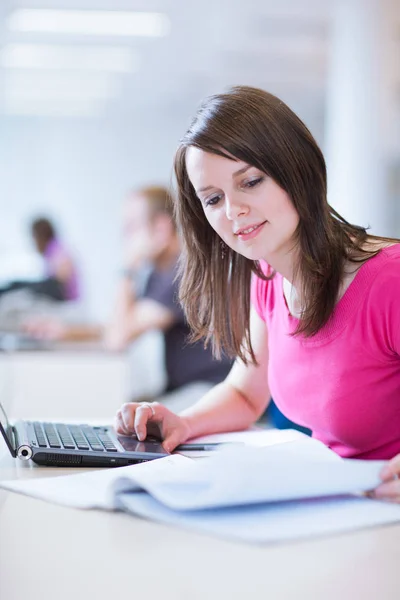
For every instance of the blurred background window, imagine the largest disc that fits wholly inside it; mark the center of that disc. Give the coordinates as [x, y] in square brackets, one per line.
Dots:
[95, 96]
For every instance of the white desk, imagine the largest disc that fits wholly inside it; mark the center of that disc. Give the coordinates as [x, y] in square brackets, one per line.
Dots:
[70, 382]
[48, 551]
[51, 551]
[80, 380]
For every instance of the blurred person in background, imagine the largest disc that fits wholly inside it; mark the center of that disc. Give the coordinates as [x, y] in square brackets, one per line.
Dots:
[60, 282]
[147, 300]
[147, 297]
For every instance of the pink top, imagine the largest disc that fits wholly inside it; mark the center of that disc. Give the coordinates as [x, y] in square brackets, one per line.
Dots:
[344, 382]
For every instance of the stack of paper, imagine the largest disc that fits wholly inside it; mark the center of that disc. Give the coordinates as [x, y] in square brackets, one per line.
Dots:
[254, 493]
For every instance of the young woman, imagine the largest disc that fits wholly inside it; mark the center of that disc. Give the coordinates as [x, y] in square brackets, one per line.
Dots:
[272, 274]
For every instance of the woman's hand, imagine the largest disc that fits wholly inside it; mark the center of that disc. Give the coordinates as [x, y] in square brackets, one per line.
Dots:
[142, 418]
[390, 475]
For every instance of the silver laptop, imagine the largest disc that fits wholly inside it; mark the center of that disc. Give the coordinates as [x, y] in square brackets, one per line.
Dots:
[70, 445]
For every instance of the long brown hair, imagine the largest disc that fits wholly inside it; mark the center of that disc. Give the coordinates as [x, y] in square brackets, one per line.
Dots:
[257, 128]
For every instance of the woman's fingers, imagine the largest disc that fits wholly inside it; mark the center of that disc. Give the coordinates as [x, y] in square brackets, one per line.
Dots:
[390, 475]
[142, 418]
[127, 417]
[146, 411]
[176, 437]
[390, 490]
[391, 470]
[132, 417]
[119, 424]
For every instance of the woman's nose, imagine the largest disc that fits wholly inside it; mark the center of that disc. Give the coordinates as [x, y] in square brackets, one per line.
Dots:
[234, 207]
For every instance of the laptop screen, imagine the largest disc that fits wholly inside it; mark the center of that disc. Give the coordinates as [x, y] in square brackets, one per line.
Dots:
[6, 430]
[5, 400]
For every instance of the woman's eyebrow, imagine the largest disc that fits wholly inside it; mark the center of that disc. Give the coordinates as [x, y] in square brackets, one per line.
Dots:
[235, 174]
[204, 189]
[242, 170]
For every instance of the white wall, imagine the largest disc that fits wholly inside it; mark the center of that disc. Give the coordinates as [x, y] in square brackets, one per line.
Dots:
[78, 171]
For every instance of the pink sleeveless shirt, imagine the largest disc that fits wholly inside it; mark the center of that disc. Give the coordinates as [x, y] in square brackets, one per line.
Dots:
[344, 382]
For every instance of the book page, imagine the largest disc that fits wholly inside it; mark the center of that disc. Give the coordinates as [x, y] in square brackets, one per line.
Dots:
[236, 475]
[241, 475]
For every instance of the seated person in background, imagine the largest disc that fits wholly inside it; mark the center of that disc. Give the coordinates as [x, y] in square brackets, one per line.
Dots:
[61, 280]
[147, 299]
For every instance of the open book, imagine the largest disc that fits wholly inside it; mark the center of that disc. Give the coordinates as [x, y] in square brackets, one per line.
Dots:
[254, 493]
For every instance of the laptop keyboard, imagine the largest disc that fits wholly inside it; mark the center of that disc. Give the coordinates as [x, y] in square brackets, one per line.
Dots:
[73, 437]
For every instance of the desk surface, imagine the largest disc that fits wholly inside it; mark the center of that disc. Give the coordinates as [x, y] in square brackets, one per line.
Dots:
[46, 548]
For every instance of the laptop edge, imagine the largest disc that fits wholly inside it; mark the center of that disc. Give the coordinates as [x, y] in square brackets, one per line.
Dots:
[22, 443]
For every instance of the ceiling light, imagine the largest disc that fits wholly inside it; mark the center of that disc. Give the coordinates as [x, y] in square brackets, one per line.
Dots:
[51, 108]
[87, 22]
[54, 85]
[46, 56]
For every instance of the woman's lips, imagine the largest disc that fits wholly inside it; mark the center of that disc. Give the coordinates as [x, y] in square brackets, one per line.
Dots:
[248, 233]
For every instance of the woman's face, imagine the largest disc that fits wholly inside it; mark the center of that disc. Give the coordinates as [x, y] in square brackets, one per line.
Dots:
[248, 209]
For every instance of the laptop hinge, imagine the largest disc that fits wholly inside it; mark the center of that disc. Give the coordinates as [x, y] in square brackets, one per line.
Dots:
[23, 448]
[9, 438]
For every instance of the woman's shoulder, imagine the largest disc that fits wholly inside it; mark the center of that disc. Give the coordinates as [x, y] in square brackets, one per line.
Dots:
[387, 262]
[383, 263]
[391, 251]
[381, 276]
[389, 266]
[382, 298]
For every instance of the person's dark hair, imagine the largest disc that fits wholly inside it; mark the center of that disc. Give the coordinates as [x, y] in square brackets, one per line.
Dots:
[43, 232]
[256, 127]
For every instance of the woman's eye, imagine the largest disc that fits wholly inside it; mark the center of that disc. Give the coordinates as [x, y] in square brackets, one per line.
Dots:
[253, 182]
[212, 201]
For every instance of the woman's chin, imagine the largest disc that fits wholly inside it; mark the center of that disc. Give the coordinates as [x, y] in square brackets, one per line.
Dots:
[251, 254]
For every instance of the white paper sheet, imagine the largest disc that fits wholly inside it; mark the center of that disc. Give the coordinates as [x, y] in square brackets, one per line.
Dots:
[255, 436]
[272, 522]
[248, 475]
[91, 489]
[234, 476]
[95, 489]
[255, 493]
